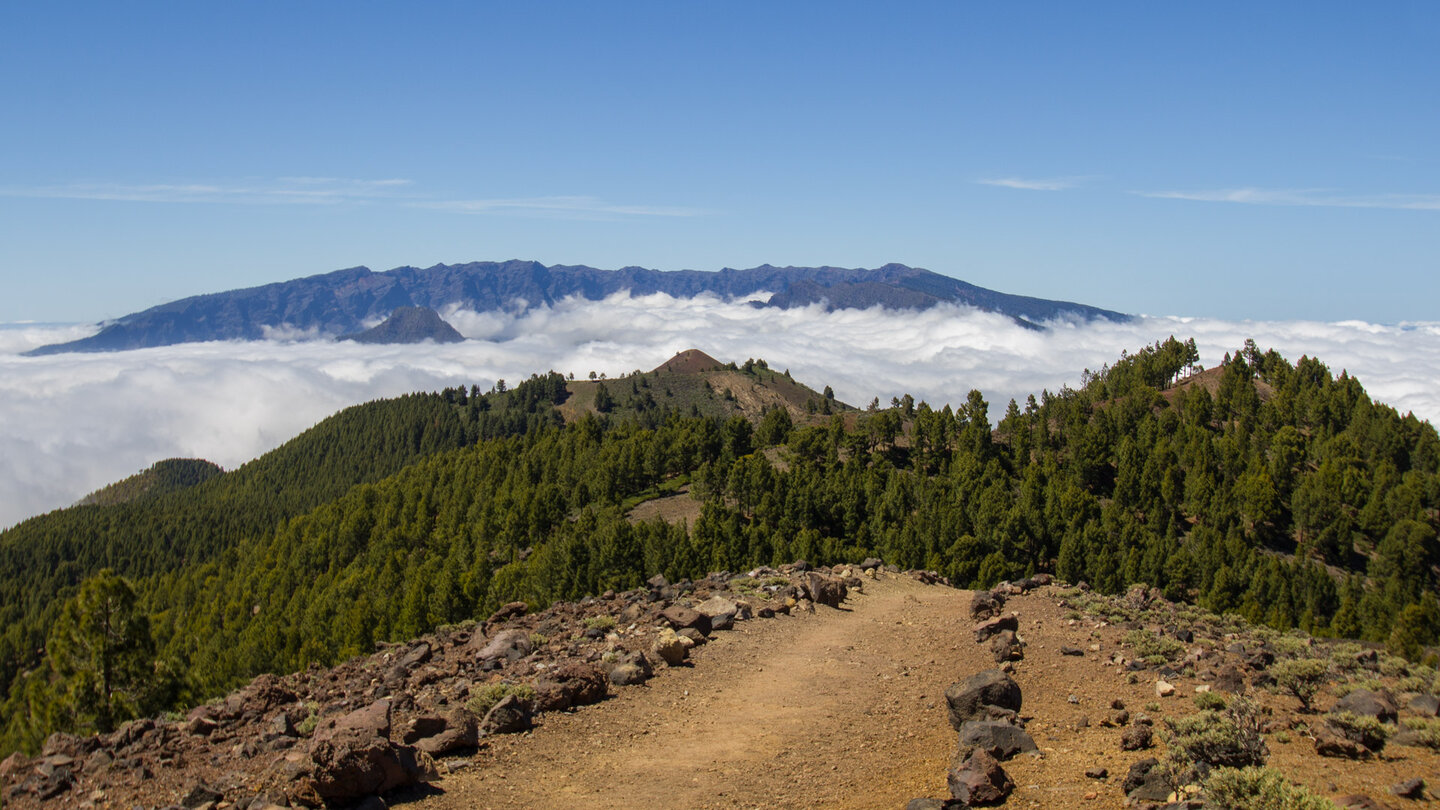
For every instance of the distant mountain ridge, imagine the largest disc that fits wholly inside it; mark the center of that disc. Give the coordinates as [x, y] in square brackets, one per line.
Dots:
[345, 301]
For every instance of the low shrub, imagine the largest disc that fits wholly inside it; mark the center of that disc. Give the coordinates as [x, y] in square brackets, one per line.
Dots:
[1215, 738]
[1258, 789]
[1301, 677]
[601, 622]
[1422, 731]
[483, 698]
[1154, 648]
[1367, 731]
[1209, 701]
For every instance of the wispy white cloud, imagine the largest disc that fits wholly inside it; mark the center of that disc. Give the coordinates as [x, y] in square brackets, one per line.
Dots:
[1314, 197]
[1035, 184]
[339, 190]
[70, 424]
[560, 206]
[281, 191]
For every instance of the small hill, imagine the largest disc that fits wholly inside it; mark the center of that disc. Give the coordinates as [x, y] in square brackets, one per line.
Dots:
[694, 382]
[409, 325]
[690, 361]
[163, 476]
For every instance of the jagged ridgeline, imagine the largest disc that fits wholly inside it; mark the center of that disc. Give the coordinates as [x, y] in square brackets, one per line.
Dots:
[1275, 490]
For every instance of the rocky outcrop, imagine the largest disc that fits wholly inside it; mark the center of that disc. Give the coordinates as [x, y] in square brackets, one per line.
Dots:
[380, 721]
[353, 756]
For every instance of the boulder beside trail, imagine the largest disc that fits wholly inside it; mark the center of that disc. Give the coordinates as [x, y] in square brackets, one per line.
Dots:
[721, 611]
[825, 590]
[630, 669]
[571, 684]
[998, 739]
[510, 645]
[991, 627]
[510, 715]
[978, 779]
[681, 618]
[353, 756]
[669, 647]
[989, 695]
[1006, 646]
[458, 730]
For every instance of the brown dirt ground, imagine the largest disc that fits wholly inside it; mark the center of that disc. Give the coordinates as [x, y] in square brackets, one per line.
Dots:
[670, 508]
[845, 709]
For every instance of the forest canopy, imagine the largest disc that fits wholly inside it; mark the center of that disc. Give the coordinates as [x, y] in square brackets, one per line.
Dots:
[1275, 490]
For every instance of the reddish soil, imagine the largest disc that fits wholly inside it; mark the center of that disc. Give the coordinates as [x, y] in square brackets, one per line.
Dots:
[845, 709]
[690, 361]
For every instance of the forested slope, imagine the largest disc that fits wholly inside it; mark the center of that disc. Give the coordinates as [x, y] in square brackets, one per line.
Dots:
[1286, 495]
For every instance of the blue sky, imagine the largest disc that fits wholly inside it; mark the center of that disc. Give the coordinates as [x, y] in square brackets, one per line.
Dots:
[1217, 159]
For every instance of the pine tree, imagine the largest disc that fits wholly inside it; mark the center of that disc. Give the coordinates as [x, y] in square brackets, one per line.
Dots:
[102, 651]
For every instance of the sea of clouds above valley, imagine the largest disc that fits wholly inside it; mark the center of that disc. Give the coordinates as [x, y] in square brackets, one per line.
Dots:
[72, 423]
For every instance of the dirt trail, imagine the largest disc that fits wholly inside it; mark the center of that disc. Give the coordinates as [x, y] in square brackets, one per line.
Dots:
[842, 709]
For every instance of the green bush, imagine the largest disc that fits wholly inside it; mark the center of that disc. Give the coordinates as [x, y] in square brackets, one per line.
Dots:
[1343, 656]
[1393, 666]
[307, 726]
[1301, 677]
[1368, 731]
[1209, 701]
[602, 622]
[1423, 731]
[1258, 789]
[483, 698]
[1152, 647]
[1368, 684]
[1290, 646]
[1228, 738]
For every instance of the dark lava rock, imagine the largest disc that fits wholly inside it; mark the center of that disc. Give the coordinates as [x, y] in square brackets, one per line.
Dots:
[1230, 680]
[1136, 737]
[1368, 704]
[570, 684]
[1409, 789]
[1145, 782]
[979, 780]
[1000, 740]
[354, 757]
[987, 695]
[1424, 705]
[1005, 646]
[681, 617]
[460, 730]
[200, 794]
[1330, 742]
[632, 668]
[511, 715]
[990, 627]
[825, 590]
[984, 605]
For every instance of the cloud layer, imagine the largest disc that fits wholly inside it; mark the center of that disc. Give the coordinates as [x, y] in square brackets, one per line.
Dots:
[70, 424]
